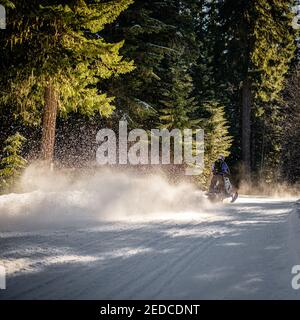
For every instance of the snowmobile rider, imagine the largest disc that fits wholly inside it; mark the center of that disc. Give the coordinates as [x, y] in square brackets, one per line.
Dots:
[219, 170]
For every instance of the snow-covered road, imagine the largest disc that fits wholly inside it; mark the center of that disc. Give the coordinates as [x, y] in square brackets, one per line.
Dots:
[240, 251]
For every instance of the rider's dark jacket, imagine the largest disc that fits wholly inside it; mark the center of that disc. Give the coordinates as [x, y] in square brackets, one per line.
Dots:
[220, 167]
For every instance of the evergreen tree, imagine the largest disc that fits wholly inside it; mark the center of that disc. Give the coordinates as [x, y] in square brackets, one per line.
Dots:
[290, 129]
[255, 44]
[56, 57]
[172, 84]
[154, 32]
[145, 43]
[177, 108]
[217, 139]
[12, 163]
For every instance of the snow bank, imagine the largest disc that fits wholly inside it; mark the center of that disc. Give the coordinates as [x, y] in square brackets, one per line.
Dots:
[55, 199]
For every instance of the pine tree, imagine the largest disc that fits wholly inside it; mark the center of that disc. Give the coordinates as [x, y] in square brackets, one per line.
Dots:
[217, 139]
[169, 43]
[12, 163]
[154, 32]
[289, 165]
[177, 107]
[57, 56]
[255, 44]
[141, 31]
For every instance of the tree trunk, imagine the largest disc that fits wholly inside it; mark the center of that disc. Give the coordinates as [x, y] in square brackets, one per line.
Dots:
[49, 124]
[246, 127]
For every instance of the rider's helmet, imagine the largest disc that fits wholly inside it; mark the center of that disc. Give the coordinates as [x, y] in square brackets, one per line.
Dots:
[221, 157]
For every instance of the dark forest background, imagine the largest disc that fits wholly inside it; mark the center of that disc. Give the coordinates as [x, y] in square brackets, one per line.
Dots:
[231, 67]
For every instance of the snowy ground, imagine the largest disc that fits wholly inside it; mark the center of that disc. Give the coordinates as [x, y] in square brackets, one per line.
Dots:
[240, 251]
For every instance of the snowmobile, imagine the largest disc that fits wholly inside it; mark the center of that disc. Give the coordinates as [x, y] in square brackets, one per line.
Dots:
[218, 195]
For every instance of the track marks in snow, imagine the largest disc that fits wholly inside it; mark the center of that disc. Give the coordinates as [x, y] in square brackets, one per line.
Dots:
[235, 251]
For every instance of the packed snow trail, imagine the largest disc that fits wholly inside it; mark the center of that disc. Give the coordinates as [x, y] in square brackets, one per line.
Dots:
[240, 251]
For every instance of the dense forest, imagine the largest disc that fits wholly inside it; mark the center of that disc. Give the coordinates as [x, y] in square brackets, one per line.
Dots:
[231, 67]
